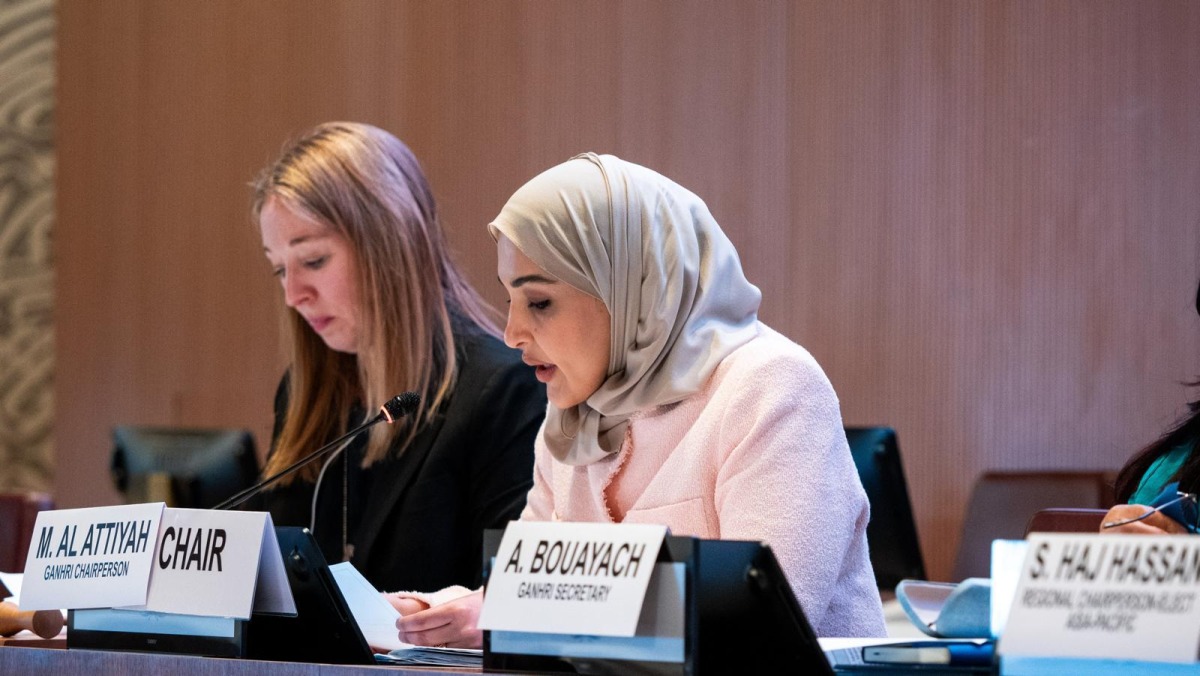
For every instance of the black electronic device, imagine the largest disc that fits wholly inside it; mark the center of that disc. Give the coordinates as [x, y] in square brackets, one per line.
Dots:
[321, 631]
[933, 657]
[195, 468]
[892, 531]
[146, 631]
[740, 615]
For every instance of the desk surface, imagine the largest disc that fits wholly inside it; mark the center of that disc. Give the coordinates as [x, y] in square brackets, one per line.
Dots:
[43, 662]
[30, 656]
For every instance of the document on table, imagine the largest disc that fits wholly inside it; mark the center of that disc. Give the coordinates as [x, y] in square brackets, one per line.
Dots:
[374, 615]
[376, 619]
[421, 656]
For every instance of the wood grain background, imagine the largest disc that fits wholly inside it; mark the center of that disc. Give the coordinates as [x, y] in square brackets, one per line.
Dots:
[981, 217]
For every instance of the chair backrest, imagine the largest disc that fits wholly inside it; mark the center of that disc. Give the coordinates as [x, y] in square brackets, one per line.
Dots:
[1002, 503]
[18, 512]
[1065, 520]
[892, 532]
[183, 467]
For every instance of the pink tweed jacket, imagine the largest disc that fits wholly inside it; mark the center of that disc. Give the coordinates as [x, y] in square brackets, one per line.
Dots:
[758, 454]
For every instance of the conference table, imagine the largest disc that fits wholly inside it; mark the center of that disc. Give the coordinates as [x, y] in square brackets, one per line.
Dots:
[28, 655]
[28, 661]
[40, 661]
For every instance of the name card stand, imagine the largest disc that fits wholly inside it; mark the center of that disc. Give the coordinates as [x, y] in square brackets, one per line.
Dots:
[736, 610]
[147, 577]
[322, 630]
[1105, 598]
[317, 628]
[154, 631]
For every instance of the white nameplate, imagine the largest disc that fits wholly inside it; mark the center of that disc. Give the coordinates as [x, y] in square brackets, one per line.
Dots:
[1008, 559]
[659, 636]
[1109, 596]
[95, 557]
[571, 578]
[218, 563]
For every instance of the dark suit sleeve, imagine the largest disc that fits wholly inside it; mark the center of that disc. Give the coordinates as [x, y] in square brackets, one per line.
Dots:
[514, 404]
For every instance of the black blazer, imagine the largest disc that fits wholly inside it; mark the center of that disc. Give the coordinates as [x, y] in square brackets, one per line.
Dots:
[415, 522]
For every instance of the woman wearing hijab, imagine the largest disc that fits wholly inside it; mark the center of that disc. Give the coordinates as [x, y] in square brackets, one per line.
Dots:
[670, 403]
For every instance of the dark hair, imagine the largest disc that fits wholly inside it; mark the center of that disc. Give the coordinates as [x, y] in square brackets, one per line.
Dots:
[1187, 433]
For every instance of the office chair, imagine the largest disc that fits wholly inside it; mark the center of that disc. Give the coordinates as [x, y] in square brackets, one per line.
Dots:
[1002, 503]
[892, 532]
[195, 468]
[1065, 520]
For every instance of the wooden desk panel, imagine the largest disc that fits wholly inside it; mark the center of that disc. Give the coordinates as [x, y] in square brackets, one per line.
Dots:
[42, 662]
[27, 639]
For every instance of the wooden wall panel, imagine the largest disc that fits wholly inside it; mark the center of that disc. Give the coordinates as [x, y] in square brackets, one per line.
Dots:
[980, 217]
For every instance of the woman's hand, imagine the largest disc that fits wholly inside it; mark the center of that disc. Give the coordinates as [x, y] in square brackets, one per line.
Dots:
[405, 605]
[452, 624]
[1155, 524]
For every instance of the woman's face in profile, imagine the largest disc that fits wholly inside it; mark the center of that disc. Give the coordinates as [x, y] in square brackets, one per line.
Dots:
[561, 331]
[316, 267]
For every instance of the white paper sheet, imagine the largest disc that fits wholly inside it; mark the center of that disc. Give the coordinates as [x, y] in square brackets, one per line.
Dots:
[375, 616]
[420, 656]
[1007, 557]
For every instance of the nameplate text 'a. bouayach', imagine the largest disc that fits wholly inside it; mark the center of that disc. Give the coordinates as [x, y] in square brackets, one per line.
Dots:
[571, 578]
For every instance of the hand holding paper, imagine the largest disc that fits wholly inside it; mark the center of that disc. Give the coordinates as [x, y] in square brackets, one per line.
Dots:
[376, 617]
[453, 624]
[405, 605]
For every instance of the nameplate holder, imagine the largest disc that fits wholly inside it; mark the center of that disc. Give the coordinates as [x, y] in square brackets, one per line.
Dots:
[660, 635]
[571, 578]
[703, 597]
[93, 557]
[211, 570]
[1129, 597]
[218, 564]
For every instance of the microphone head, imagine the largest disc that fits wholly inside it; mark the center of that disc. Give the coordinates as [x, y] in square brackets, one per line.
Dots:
[401, 405]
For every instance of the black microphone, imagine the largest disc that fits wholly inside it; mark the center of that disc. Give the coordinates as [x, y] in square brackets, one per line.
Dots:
[397, 407]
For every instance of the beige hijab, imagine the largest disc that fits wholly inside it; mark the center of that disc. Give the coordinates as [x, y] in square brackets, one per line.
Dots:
[672, 282]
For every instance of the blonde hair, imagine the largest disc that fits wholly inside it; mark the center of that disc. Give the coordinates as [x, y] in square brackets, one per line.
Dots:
[367, 186]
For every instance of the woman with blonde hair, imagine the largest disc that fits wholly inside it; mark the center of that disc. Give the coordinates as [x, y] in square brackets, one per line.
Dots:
[375, 307]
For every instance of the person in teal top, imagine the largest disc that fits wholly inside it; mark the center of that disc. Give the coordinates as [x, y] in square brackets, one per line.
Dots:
[1161, 472]
[1158, 474]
